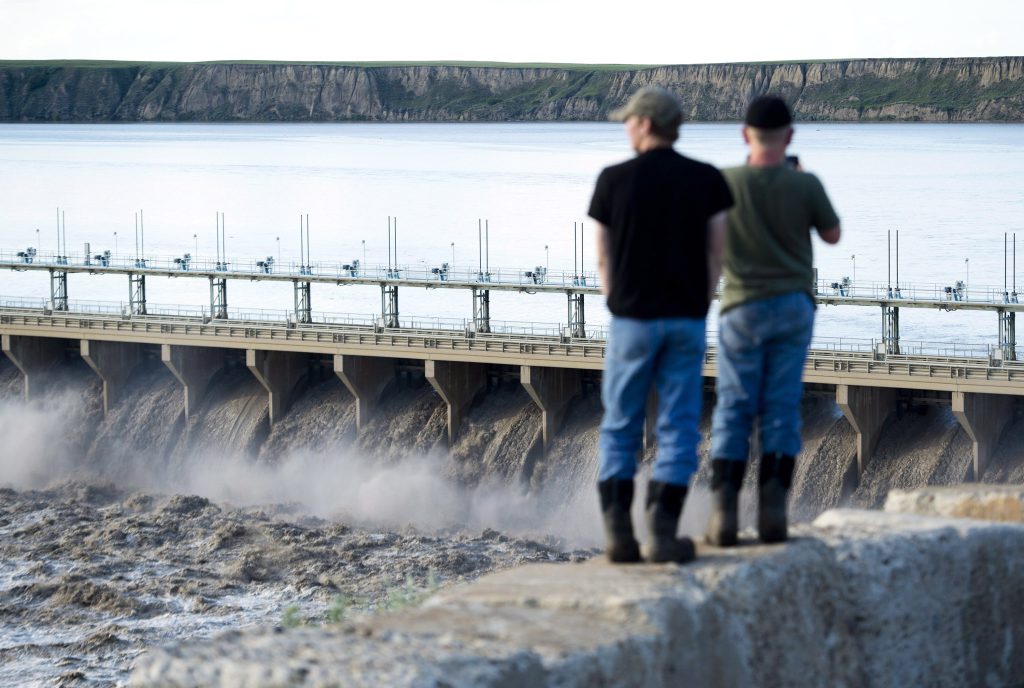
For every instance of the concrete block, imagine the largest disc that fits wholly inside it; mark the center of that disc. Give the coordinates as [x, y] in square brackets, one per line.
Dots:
[856, 599]
[365, 377]
[281, 374]
[985, 502]
[867, 409]
[194, 366]
[36, 358]
[551, 389]
[983, 417]
[114, 363]
[458, 384]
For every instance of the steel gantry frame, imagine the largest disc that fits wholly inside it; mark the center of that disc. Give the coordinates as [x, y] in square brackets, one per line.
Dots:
[303, 304]
[891, 329]
[389, 304]
[577, 316]
[219, 298]
[59, 289]
[136, 294]
[1008, 334]
[481, 310]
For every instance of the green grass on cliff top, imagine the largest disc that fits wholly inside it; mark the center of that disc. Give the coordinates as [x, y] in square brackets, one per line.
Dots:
[454, 63]
[433, 63]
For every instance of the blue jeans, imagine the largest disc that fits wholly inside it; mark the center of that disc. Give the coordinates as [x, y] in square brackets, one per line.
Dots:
[762, 347]
[667, 355]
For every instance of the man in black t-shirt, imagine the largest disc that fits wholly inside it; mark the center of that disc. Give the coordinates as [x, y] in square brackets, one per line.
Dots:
[661, 226]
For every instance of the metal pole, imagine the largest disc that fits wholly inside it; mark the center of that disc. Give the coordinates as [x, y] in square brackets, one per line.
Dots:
[888, 252]
[302, 251]
[897, 260]
[487, 239]
[389, 245]
[142, 233]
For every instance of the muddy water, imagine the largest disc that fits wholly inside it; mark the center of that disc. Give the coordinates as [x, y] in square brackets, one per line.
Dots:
[120, 532]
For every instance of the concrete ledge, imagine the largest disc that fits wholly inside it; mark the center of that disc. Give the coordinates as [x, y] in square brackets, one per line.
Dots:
[987, 502]
[857, 599]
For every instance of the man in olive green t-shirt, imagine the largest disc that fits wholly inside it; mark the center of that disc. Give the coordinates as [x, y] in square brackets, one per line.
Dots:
[765, 321]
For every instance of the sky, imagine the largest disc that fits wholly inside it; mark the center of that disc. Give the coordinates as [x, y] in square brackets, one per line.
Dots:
[573, 31]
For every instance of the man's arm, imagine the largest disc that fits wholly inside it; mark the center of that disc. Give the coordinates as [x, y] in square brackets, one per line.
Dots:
[716, 246]
[603, 271]
[830, 235]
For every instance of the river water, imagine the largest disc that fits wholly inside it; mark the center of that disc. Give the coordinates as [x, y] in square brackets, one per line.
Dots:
[951, 189]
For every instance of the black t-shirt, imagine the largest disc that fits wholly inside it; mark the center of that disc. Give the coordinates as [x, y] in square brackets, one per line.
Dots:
[656, 208]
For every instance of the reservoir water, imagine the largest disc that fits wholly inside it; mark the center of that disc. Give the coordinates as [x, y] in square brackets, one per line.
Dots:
[951, 189]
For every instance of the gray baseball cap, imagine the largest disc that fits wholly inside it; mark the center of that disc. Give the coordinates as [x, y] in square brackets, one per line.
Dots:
[654, 102]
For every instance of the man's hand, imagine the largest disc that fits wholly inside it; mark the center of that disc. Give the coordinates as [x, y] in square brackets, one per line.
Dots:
[716, 247]
[830, 235]
[602, 259]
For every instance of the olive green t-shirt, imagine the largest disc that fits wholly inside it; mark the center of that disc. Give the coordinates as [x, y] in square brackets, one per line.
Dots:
[768, 241]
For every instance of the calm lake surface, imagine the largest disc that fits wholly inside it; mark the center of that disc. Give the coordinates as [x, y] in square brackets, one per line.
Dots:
[951, 189]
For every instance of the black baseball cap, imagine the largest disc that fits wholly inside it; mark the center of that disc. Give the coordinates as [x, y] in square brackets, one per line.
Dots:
[768, 112]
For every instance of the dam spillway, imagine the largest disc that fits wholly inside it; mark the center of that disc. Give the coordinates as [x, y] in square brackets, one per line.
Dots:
[523, 413]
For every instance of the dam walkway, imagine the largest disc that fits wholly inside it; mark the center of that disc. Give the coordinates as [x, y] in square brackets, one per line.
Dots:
[869, 384]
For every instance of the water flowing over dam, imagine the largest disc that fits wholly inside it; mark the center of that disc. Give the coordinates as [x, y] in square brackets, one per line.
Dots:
[228, 446]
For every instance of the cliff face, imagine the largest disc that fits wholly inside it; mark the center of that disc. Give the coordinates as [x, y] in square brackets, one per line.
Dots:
[960, 89]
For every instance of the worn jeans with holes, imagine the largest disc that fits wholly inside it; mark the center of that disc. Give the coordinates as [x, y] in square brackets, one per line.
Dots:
[762, 347]
[665, 355]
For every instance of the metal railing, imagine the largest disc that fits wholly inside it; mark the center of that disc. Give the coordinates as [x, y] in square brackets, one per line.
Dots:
[956, 292]
[291, 269]
[537, 278]
[462, 326]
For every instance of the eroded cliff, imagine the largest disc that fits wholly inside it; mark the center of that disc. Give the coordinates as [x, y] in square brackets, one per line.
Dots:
[955, 89]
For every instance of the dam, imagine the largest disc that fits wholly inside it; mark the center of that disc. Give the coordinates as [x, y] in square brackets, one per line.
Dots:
[868, 385]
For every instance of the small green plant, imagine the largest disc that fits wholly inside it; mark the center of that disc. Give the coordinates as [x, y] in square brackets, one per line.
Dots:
[290, 616]
[409, 595]
[338, 610]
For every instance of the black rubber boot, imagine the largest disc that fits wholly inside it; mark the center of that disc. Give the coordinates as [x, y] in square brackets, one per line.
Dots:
[724, 522]
[775, 478]
[616, 498]
[664, 505]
